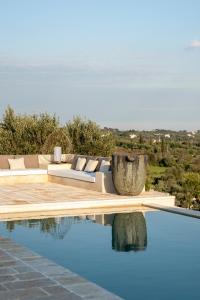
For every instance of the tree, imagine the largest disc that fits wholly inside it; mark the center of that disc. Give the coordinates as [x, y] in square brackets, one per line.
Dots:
[191, 187]
[88, 138]
[141, 139]
[59, 137]
[25, 134]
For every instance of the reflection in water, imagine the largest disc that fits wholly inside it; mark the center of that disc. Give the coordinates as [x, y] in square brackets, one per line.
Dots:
[56, 227]
[60, 228]
[129, 232]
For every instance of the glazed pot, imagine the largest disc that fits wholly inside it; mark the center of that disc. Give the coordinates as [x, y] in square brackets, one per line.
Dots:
[129, 173]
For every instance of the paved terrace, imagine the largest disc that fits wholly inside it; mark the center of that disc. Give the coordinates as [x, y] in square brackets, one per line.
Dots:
[51, 197]
[25, 275]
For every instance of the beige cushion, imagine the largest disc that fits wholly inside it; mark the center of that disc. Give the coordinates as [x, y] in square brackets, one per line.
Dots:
[81, 162]
[30, 161]
[4, 161]
[91, 165]
[17, 164]
[105, 166]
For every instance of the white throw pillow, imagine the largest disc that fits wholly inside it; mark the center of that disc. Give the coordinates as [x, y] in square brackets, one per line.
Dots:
[105, 166]
[91, 165]
[81, 162]
[17, 164]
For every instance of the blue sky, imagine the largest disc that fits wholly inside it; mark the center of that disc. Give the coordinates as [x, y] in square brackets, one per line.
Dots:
[126, 64]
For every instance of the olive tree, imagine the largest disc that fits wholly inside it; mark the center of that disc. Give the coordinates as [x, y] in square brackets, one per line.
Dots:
[88, 138]
[59, 137]
[25, 134]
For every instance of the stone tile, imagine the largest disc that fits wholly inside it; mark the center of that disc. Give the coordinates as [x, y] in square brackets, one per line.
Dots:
[58, 291]
[2, 288]
[55, 271]
[26, 255]
[86, 289]
[23, 294]
[22, 269]
[55, 290]
[26, 284]
[6, 278]
[60, 297]
[2, 253]
[66, 281]
[23, 277]
[38, 261]
[7, 263]
[28, 275]
[7, 271]
[102, 295]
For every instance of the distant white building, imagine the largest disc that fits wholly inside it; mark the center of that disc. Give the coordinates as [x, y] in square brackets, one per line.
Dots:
[190, 135]
[133, 136]
[167, 136]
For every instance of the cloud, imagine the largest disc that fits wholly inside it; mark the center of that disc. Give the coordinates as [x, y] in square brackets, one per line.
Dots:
[195, 44]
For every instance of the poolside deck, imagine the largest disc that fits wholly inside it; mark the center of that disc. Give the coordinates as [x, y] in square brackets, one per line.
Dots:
[50, 197]
[26, 275]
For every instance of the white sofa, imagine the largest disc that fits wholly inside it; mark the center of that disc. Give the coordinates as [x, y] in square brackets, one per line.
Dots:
[44, 171]
[97, 181]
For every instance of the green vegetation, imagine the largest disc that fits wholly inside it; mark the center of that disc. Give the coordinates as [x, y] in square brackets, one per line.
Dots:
[88, 138]
[174, 161]
[25, 134]
[33, 134]
[174, 156]
[59, 137]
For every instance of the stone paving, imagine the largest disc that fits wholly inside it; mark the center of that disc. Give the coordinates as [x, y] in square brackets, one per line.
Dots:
[36, 193]
[48, 198]
[25, 275]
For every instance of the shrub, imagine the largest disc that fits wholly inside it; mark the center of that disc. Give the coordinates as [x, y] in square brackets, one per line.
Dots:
[25, 134]
[59, 137]
[88, 138]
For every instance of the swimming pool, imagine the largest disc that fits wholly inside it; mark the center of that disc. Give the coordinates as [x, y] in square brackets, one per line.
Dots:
[155, 255]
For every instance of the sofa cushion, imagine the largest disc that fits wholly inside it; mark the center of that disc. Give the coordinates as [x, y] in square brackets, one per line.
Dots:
[99, 158]
[30, 161]
[74, 162]
[22, 172]
[4, 164]
[73, 174]
[105, 166]
[68, 158]
[80, 165]
[100, 161]
[91, 165]
[17, 163]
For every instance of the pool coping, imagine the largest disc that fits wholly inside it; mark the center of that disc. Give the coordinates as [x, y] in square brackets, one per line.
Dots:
[175, 209]
[87, 204]
[27, 275]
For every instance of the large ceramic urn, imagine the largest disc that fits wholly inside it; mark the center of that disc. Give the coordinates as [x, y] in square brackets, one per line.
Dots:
[129, 173]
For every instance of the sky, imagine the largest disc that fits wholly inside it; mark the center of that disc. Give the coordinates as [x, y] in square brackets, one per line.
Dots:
[122, 63]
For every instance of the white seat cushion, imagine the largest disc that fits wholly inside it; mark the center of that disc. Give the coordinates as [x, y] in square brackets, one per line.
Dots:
[73, 174]
[25, 172]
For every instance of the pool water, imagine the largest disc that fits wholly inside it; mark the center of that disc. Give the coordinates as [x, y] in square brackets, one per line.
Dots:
[136, 256]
